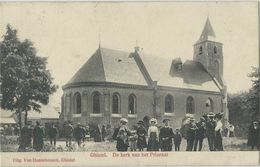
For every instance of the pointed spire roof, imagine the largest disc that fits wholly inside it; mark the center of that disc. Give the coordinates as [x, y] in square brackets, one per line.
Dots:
[207, 33]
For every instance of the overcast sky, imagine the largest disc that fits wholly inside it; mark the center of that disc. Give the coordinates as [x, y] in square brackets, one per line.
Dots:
[68, 33]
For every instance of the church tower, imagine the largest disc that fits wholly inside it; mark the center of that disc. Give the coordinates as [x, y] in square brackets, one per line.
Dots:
[208, 51]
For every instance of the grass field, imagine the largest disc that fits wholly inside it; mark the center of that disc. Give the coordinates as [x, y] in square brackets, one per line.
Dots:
[230, 144]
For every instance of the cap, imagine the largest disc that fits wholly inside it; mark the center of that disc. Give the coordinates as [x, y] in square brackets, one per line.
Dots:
[140, 122]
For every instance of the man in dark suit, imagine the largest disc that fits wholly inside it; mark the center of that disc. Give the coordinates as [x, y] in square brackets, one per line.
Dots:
[200, 134]
[191, 134]
[165, 136]
[210, 131]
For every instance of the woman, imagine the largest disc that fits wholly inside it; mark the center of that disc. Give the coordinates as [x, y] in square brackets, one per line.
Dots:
[153, 136]
[141, 132]
[122, 136]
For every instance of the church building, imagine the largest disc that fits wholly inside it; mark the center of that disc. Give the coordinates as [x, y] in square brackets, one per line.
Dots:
[115, 84]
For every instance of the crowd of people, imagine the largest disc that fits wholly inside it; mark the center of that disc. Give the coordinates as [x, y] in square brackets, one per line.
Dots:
[139, 137]
[164, 138]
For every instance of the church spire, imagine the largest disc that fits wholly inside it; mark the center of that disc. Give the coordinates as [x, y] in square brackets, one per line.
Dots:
[207, 33]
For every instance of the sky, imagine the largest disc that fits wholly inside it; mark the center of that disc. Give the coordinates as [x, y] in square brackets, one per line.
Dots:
[69, 33]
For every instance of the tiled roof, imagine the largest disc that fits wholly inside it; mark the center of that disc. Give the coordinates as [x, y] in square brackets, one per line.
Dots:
[108, 65]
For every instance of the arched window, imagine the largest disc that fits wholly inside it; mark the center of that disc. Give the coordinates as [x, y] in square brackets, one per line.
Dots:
[77, 103]
[200, 50]
[216, 68]
[116, 103]
[215, 50]
[132, 104]
[209, 105]
[190, 105]
[169, 104]
[96, 102]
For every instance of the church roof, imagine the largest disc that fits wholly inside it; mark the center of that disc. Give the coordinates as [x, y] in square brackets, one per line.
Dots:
[107, 65]
[207, 33]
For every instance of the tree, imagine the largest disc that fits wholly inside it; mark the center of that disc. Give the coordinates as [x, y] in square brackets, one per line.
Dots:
[244, 106]
[26, 82]
[252, 99]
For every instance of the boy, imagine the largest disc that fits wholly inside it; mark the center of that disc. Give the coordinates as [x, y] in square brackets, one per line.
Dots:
[177, 140]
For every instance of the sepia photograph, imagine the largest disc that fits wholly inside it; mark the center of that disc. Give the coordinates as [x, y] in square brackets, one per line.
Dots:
[128, 79]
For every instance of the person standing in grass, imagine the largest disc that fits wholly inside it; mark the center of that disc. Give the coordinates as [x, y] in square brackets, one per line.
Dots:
[38, 134]
[68, 132]
[218, 128]
[141, 132]
[53, 131]
[177, 140]
[153, 136]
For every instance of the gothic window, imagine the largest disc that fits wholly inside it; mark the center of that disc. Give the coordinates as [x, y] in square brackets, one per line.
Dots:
[96, 102]
[169, 103]
[77, 103]
[215, 50]
[209, 105]
[116, 103]
[190, 108]
[200, 50]
[132, 104]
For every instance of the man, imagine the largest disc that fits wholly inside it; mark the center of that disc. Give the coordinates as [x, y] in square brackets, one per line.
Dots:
[25, 138]
[122, 135]
[200, 134]
[165, 136]
[210, 131]
[38, 134]
[192, 128]
[218, 128]
[79, 134]
[68, 132]
[53, 131]
[253, 135]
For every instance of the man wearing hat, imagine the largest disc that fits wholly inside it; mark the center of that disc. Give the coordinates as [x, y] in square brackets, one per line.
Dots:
[210, 130]
[200, 134]
[192, 128]
[165, 136]
[253, 135]
[79, 133]
[122, 136]
[141, 132]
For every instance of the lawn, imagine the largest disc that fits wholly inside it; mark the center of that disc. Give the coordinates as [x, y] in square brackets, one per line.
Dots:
[230, 144]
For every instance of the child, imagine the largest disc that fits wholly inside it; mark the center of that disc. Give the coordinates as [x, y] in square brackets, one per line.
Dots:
[133, 140]
[177, 140]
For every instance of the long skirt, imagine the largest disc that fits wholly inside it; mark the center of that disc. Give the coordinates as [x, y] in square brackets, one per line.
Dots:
[141, 142]
[121, 145]
[153, 144]
[218, 143]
